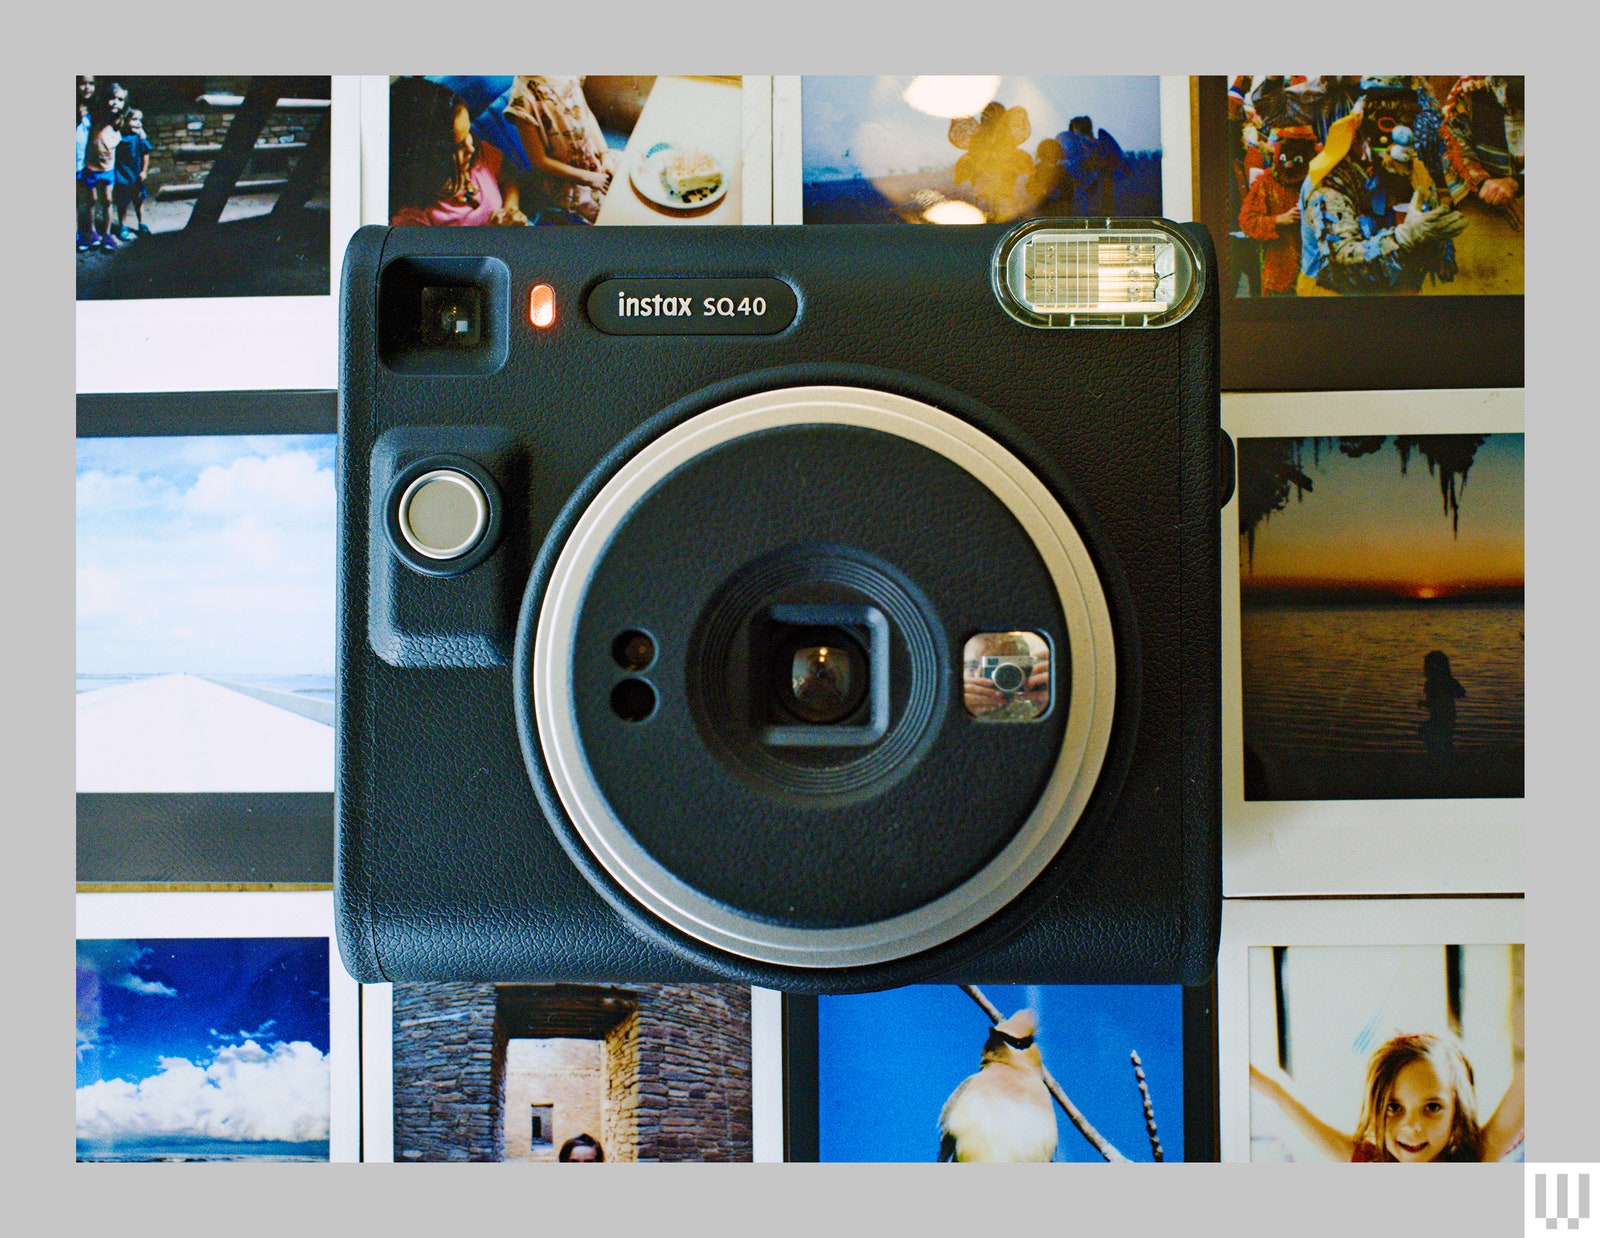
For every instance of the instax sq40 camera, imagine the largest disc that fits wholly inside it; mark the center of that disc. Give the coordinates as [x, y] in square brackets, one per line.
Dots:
[825, 608]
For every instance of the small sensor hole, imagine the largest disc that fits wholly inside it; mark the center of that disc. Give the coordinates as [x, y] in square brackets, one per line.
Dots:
[633, 651]
[633, 700]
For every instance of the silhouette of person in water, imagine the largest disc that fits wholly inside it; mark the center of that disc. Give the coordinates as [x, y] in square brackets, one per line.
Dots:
[1440, 692]
[1096, 162]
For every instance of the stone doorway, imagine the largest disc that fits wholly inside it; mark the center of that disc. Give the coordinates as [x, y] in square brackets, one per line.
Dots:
[668, 1063]
[566, 1063]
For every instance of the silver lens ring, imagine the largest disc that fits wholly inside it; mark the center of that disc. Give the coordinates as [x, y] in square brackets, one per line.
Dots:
[1090, 699]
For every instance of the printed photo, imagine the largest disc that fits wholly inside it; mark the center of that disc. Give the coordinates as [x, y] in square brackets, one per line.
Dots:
[1387, 1029]
[205, 613]
[1001, 1073]
[203, 187]
[214, 1027]
[1377, 1053]
[528, 150]
[1381, 616]
[203, 1049]
[1374, 185]
[953, 150]
[567, 1072]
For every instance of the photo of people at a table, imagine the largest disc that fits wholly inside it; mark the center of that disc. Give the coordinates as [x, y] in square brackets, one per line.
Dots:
[537, 150]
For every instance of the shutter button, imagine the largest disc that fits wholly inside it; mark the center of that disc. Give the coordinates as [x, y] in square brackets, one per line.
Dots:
[443, 514]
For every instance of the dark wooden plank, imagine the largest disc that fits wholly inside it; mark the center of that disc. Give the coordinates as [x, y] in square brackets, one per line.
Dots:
[237, 146]
[308, 167]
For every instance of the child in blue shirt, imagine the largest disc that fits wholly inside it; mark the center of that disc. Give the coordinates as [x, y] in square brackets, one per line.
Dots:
[132, 167]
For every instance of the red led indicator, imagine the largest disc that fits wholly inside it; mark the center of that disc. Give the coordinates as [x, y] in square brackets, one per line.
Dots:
[542, 305]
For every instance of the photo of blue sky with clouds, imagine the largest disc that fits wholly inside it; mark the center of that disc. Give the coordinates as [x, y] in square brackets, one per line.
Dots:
[205, 614]
[203, 1048]
[209, 555]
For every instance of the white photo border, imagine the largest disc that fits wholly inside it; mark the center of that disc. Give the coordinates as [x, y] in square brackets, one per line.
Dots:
[1177, 150]
[233, 343]
[377, 1072]
[1326, 847]
[788, 188]
[217, 914]
[766, 1076]
[1248, 923]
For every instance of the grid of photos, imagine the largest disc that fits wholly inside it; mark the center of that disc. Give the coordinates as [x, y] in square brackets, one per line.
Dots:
[1374, 633]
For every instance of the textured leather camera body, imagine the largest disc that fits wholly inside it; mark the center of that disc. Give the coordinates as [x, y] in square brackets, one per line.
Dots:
[608, 497]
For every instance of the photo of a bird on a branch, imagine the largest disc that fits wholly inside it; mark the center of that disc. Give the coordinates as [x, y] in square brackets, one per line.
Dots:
[1006, 1112]
[959, 1073]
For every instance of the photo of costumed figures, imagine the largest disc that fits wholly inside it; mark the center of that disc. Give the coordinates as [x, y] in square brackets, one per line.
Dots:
[1374, 185]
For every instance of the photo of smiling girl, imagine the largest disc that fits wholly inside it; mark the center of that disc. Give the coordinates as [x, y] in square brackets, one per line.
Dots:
[1420, 1106]
[1386, 1053]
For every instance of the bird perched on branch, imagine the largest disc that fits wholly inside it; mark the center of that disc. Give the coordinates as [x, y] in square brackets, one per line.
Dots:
[1004, 1112]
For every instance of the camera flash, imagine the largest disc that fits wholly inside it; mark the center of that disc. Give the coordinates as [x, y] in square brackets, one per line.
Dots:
[542, 305]
[1060, 273]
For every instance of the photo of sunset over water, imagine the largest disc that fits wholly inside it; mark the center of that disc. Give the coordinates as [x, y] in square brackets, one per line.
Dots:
[1381, 616]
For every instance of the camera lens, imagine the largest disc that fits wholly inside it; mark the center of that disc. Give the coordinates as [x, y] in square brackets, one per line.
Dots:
[821, 676]
[1008, 677]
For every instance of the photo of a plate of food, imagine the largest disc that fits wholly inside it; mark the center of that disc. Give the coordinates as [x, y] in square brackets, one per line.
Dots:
[679, 178]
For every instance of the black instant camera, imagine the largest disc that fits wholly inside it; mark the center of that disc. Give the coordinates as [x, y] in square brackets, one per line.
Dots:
[670, 560]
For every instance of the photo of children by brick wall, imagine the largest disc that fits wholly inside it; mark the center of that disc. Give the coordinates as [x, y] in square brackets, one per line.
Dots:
[950, 150]
[538, 150]
[202, 186]
[571, 1073]
[1375, 185]
[1379, 1053]
[967, 1073]
[1381, 616]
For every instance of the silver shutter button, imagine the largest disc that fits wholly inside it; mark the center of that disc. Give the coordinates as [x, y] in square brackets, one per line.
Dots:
[443, 514]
